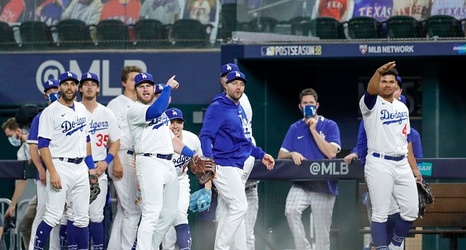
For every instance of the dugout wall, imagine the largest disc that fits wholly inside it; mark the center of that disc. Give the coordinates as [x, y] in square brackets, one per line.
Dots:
[276, 74]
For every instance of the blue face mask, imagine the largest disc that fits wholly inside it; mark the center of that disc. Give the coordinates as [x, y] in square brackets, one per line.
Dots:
[53, 96]
[309, 111]
[15, 142]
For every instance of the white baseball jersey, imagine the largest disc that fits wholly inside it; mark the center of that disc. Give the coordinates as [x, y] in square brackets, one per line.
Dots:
[181, 162]
[145, 133]
[60, 122]
[23, 152]
[382, 122]
[244, 102]
[119, 106]
[102, 128]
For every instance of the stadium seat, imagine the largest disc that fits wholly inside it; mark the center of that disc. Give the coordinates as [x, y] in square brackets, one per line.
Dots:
[403, 27]
[74, 34]
[150, 33]
[36, 35]
[189, 33]
[300, 25]
[228, 21]
[363, 27]
[261, 24]
[326, 28]
[7, 37]
[111, 34]
[443, 26]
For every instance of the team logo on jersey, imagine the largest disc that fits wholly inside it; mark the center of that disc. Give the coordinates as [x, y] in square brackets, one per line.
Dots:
[396, 117]
[181, 162]
[96, 126]
[159, 121]
[69, 127]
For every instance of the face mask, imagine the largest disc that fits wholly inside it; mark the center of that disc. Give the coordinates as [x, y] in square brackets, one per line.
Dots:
[309, 111]
[53, 96]
[15, 142]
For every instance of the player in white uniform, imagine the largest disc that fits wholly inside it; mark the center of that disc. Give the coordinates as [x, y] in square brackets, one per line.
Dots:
[389, 169]
[105, 141]
[66, 151]
[180, 233]
[121, 171]
[250, 185]
[51, 94]
[154, 145]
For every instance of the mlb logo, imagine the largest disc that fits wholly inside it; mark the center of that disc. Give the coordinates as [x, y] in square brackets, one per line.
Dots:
[268, 51]
[363, 48]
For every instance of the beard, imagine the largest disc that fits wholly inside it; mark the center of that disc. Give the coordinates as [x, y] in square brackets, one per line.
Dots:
[66, 99]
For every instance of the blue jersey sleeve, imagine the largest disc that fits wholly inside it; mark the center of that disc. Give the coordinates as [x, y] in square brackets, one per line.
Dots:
[160, 105]
[34, 130]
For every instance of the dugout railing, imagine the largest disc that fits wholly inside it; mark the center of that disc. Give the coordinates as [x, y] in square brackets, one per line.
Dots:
[346, 230]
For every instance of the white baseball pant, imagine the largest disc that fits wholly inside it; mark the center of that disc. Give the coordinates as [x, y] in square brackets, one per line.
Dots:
[128, 214]
[170, 239]
[159, 185]
[321, 204]
[54, 241]
[231, 209]
[75, 186]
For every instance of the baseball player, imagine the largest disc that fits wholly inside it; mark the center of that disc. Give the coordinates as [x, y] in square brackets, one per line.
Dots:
[121, 172]
[313, 137]
[360, 151]
[223, 139]
[389, 168]
[180, 233]
[251, 185]
[17, 138]
[56, 240]
[105, 141]
[65, 148]
[154, 145]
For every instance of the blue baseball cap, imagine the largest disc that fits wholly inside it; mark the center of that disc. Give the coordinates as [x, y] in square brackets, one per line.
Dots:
[235, 75]
[402, 99]
[158, 88]
[142, 78]
[227, 68]
[89, 76]
[174, 113]
[51, 83]
[398, 79]
[68, 75]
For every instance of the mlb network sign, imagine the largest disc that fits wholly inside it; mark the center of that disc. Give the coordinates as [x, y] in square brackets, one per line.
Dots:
[386, 49]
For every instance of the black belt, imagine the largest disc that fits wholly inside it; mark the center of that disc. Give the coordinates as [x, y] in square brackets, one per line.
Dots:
[71, 160]
[160, 156]
[389, 157]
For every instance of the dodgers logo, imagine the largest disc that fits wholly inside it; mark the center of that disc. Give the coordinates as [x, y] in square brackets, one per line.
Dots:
[96, 126]
[69, 127]
[363, 48]
[395, 117]
[181, 162]
[159, 121]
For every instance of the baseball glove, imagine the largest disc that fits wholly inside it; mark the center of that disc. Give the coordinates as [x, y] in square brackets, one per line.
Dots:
[95, 189]
[204, 168]
[425, 197]
[200, 200]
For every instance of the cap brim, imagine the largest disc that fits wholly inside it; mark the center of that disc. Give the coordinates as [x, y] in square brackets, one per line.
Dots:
[69, 78]
[236, 78]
